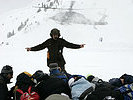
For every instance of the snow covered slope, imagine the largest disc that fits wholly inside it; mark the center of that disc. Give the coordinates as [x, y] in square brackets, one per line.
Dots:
[104, 26]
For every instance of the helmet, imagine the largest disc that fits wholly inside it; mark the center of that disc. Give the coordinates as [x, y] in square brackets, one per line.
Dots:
[6, 69]
[54, 32]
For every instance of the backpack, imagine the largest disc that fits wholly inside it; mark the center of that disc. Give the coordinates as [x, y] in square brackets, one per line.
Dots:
[28, 95]
[102, 90]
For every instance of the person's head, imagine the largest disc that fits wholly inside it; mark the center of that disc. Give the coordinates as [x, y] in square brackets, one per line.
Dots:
[115, 82]
[7, 72]
[55, 33]
[90, 78]
[39, 75]
[24, 77]
[53, 66]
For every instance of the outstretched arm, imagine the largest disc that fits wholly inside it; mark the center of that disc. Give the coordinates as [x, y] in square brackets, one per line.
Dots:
[72, 45]
[38, 47]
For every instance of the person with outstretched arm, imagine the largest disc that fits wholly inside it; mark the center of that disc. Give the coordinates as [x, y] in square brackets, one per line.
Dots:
[55, 46]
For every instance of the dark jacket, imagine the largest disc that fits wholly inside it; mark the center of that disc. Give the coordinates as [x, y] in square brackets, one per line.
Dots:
[50, 85]
[55, 50]
[128, 79]
[3, 88]
[55, 73]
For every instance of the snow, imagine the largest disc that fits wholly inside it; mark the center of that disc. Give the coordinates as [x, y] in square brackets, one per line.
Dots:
[105, 26]
[9, 5]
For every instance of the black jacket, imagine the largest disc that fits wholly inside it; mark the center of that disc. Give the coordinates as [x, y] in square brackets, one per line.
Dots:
[50, 86]
[55, 50]
[102, 90]
[3, 88]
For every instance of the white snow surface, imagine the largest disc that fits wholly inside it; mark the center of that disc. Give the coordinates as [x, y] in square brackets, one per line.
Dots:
[105, 26]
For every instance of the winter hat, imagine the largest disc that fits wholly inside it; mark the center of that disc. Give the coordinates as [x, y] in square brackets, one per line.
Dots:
[54, 32]
[24, 77]
[90, 78]
[7, 69]
[53, 66]
[27, 73]
[39, 75]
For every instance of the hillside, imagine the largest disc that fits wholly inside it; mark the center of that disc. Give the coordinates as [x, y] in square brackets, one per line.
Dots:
[105, 28]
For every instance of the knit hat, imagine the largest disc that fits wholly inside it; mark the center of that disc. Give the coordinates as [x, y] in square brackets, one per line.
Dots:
[54, 32]
[24, 77]
[90, 78]
[7, 69]
[39, 75]
[53, 66]
[27, 73]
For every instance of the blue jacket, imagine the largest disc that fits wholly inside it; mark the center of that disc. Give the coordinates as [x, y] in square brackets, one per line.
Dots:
[56, 73]
[127, 91]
